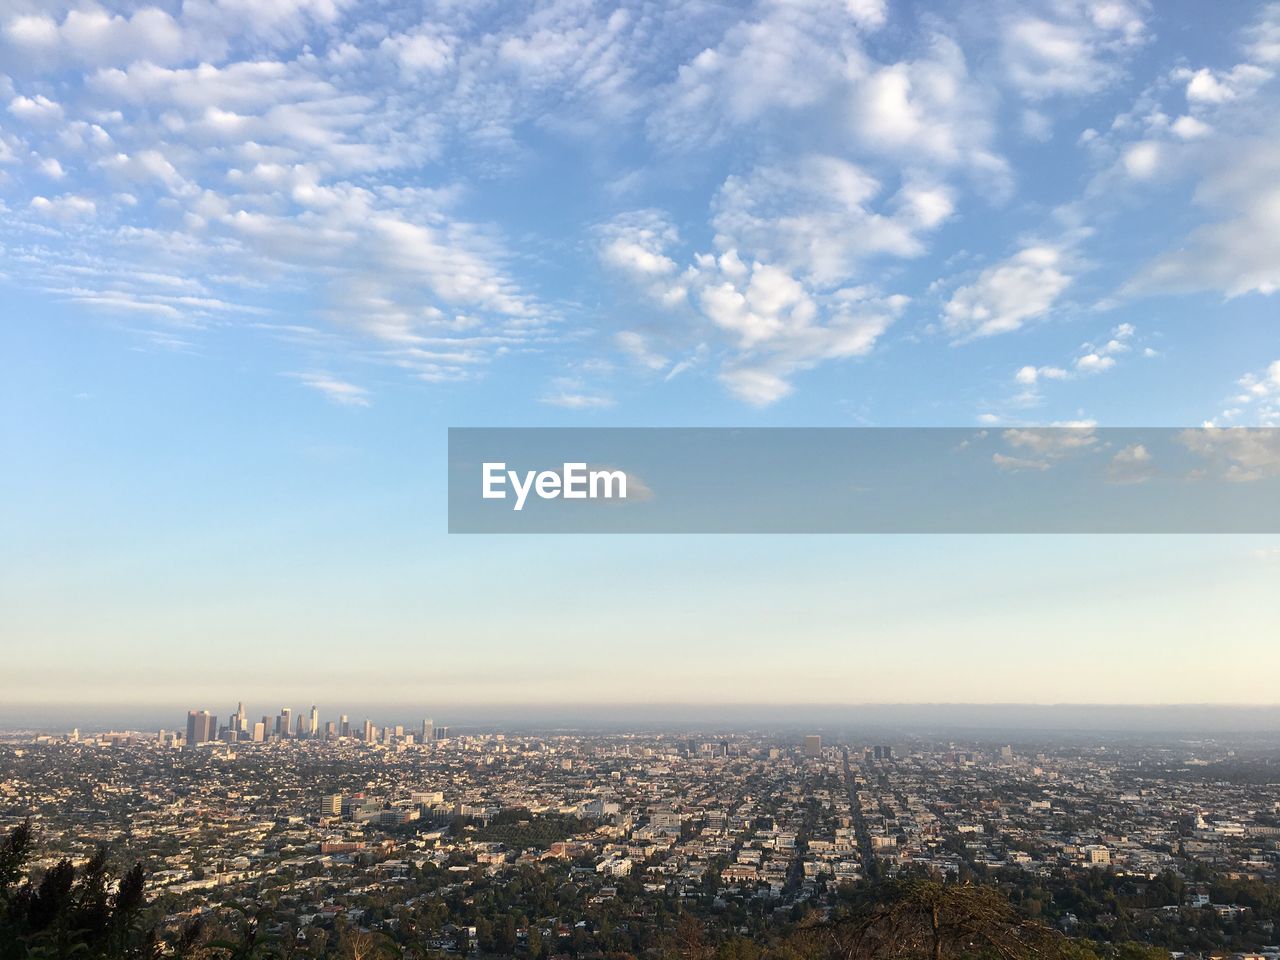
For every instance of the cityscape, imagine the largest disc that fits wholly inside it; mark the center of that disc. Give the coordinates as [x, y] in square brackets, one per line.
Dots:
[577, 844]
[202, 727]
[639, 480]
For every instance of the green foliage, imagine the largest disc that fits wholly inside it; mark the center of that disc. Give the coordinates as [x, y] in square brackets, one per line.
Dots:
[532, 913]
[520, 829]
[69, 913]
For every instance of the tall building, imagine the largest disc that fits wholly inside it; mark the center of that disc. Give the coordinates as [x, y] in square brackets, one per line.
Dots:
[283, 726]
[241, 721]
[202, 727]
[344, 727]
[368, 730]
[428, 731]
[260, 731]
[813, 745]
[440, 733]
[315, 722]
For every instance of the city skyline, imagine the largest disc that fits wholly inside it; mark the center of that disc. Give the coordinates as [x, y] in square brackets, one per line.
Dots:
[840, 720]
[203, 727]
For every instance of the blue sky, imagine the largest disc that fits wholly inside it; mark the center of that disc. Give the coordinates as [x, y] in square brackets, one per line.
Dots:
[256, 257]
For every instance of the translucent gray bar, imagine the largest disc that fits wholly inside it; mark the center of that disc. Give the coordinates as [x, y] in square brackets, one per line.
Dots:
[839, 480]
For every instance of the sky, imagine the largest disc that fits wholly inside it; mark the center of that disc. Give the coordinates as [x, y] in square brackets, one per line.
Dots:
[256, 258]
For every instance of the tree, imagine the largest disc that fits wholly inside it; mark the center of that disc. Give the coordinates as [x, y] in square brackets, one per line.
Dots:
[68, 913]
[251, 943]
[690, 940]
[357, 944]
[929, 919]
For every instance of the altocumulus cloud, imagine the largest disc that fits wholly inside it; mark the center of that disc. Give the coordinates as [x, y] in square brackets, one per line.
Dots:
[740, 194]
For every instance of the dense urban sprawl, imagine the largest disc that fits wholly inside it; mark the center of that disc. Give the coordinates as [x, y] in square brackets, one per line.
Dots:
[577, 844]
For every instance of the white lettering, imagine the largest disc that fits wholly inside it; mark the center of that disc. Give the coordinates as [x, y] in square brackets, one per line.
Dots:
[521, 491]
[609, 477]
[548, 484]
[572, 482]
[494, 475]
[575, 474]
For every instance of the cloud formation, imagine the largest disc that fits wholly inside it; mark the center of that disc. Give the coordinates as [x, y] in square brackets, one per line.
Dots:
[735, 194]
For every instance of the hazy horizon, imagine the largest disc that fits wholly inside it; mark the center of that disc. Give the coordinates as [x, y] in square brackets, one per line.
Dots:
[1009, 718]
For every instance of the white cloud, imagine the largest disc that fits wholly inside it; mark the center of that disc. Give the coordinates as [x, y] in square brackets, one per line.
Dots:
[37, 108]
[1262, 40]
[426, 49]
[1097, 358]
[1259, 395]
[634, 243]
[1188, 127]
[1008, 294]
[815, 217]
[761, 306]
[1130, 465]
[252, 165]
[65, 208]
[637, 347]
[1238, 250]
[89, 35]
[325, 153]
[1236, 454]
[571, 394]
[1094, 363]
[927, 109]
[339, 391]
[144, 167]
[868, 14]
[93, 36]
[1018, 464]
[1142, 160]
[774, 322]
[790, 58]
[779, 327]
[1053, 442]
[1029, 376]
[756, 386]
[1207, 86]
[578, 53]
[1069, 47]
[1037, 125]
[1239, 253]
[1092, 359]
[32, 32]
[806, 63]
